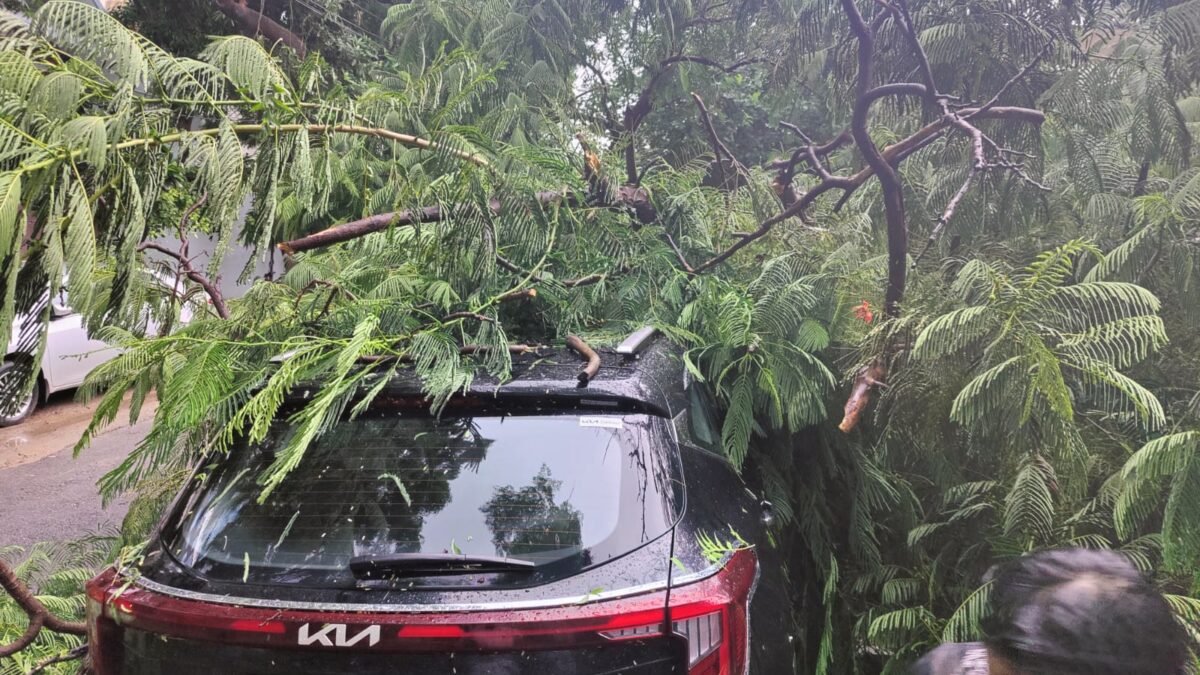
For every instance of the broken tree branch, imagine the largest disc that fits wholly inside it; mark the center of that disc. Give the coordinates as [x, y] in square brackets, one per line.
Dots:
[636, 112]
[254, 24]
[947, 214]
[39, 617]
[185, 265]
[1021, 74]
[358, 228]
[884, 167]
[593, 359]
[860, 394]
[720, 150]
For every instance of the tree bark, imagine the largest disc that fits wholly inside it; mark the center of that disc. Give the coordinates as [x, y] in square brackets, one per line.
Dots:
[380, 222]
[860, 395]
[253, 23]
[39, 616]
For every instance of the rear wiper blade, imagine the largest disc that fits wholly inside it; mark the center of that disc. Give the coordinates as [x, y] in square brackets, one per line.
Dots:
[432, 564]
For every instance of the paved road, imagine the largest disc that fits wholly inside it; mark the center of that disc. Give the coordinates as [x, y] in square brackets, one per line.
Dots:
[46, 495]
[55, 498]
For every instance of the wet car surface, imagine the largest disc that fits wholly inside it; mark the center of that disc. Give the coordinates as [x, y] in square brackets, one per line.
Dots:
[537, 526]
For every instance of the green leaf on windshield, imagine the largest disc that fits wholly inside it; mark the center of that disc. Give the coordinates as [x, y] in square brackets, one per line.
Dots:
[399, 486]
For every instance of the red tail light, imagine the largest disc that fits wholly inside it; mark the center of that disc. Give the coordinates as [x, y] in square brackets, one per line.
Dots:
[709, 614]
[712, 616]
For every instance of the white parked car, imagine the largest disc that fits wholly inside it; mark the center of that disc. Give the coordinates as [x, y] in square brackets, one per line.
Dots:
[70, 355]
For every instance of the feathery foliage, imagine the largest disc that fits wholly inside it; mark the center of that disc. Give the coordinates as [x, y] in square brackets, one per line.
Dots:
[1045, 335]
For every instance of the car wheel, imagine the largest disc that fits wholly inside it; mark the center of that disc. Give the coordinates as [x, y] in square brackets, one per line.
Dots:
[15, 412]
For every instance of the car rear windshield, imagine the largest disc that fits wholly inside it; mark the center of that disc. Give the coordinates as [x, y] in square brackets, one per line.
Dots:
[561, 489]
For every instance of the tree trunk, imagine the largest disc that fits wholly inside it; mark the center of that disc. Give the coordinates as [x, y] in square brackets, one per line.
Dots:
[253, 23]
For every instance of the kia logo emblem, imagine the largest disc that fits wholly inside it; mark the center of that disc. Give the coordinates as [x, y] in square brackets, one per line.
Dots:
[336, 635]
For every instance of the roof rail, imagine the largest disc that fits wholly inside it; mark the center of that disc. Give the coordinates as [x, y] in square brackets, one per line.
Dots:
[637, 341]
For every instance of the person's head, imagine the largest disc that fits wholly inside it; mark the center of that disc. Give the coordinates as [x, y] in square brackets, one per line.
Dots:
[1077, 612]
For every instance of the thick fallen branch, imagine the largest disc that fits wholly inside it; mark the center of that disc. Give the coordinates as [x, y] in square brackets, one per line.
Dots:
[884, 166]
[593, 359]
[39, 617]
[860, 394]
[253, 23]
[359, 228]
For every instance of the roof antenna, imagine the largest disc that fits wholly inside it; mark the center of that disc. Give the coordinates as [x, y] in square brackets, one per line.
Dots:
[593, 366]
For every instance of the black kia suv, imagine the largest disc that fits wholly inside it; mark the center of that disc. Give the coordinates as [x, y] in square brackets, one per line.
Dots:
[558, 523]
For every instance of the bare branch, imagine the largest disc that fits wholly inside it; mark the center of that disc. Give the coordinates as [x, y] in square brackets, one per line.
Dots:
[900, 11]
[720, 150]
[947, 214]
[893, 192]
[468, 315]
[185, 265]
[892, 153]
[1014, 79]
[39, 616]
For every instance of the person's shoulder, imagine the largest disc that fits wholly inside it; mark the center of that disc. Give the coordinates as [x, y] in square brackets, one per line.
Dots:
[947, 659]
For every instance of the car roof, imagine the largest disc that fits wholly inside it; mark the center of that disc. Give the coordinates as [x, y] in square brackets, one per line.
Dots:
[653, 378]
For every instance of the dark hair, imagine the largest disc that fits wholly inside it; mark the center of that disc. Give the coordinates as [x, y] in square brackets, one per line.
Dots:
[1077, 612]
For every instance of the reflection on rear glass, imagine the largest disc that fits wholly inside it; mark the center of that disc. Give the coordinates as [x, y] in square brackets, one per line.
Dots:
[540, 488]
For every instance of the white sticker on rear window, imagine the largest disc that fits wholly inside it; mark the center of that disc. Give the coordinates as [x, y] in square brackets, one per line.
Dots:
[605, 422]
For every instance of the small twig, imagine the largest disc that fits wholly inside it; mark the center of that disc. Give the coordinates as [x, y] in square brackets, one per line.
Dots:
[464, 350]
[946, 215]
[468, 315]
[72, 655]
[568, 283]
[678, 253]
[214, 293]
[1014, 79]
